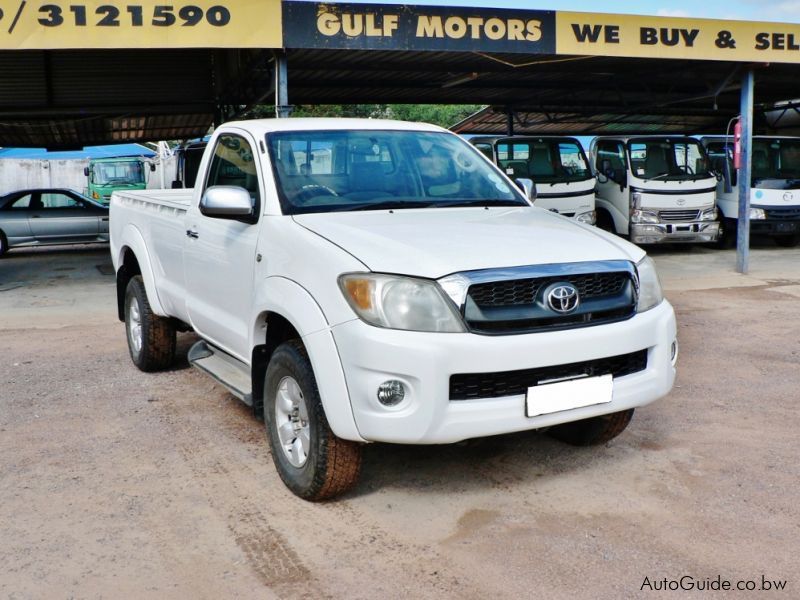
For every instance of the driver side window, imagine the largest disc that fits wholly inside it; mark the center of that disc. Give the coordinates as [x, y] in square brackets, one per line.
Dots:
[234, 164]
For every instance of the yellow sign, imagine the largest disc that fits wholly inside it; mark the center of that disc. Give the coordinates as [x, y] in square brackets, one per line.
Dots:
[60, 24]
[671, 37]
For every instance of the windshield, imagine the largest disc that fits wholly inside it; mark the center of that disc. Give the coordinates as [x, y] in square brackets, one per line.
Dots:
[326, 171]
[671, 159]
[776, 159]
[543, 160]
[118, 173]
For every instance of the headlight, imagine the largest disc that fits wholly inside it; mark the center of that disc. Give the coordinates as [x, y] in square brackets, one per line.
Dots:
[709, 214]
[650, 294]
[588, 217]
[757, 214]
[636, 197]
[400, 303]
[644, 216]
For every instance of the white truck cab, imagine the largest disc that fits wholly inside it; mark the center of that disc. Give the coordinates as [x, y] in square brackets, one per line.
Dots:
[774, 188]
[655, 189]
[364, 281]
[558, 167]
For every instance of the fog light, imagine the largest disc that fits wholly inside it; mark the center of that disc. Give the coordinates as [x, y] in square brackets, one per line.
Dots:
[391, 393]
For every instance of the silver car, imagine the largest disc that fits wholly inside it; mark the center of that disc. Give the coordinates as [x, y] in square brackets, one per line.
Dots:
[50, 216]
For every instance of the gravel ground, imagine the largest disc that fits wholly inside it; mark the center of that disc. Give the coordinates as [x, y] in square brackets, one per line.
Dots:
[120, 484]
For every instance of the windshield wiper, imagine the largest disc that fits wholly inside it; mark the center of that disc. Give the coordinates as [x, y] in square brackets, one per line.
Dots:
[386, 205]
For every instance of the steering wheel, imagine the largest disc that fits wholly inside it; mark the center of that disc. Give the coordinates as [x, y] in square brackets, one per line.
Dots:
[466, 162]
[687, 169]
[314, 189]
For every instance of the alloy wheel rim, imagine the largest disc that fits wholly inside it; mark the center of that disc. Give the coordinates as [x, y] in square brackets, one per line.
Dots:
[135, 326]
[291, 421]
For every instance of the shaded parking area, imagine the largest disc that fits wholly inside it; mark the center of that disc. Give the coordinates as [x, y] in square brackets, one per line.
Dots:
[161, 485]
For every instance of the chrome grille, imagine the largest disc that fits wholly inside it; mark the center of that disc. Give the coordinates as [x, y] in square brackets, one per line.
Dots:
[525, 291]
[679, 215]
[783, 213]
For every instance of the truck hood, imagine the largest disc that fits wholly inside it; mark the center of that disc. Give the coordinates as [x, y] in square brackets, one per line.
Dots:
[437, 242]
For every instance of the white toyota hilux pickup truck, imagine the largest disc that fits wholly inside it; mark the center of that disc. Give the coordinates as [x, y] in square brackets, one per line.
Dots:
[363, 281]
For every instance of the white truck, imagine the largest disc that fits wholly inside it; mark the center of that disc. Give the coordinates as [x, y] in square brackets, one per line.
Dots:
[557, 165]
[774, 188]
[364, 280]
[655, 189]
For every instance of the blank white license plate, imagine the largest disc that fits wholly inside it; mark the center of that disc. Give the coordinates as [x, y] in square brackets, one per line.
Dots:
[565, 395]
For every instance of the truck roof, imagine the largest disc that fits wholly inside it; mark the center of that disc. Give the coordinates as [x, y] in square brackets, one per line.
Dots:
[654, 136]
[263, 126]
[496, 138]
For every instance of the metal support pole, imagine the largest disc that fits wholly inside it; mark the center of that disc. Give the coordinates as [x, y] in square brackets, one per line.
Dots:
[282, 108]
[509, 122]
[745, 175]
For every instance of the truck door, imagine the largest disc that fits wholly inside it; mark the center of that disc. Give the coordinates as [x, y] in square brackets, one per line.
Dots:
[612, 189]
[219, 254]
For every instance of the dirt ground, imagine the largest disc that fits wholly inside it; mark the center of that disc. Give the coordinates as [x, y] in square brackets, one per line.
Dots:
[119, 484]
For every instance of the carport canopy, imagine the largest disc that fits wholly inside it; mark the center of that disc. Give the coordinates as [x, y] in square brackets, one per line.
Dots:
[76, 74]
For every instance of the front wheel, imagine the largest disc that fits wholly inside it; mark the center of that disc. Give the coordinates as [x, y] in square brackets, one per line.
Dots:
[594, 431]
[727, 233]
[151, 339]
[312, 462]
[787, 241]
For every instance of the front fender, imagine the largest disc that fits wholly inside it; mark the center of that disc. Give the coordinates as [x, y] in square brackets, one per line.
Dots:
[294, 303]
[132, 238]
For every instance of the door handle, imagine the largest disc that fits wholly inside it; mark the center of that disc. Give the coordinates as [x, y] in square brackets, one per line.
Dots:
[104, 218]
[192, 234]
[35, 217]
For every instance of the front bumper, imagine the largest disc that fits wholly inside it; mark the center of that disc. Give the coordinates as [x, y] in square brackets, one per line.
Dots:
[665, 233]
[774, 227]
[424, 362]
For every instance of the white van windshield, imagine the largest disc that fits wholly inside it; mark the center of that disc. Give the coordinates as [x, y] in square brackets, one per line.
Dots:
[346, 170]
[543, 160]
[672, 159]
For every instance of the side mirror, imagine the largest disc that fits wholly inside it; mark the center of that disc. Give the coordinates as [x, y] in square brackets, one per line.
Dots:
[621, 177]
[177, 184]
[86, 171]
[527, 186]
[152, 168]
[227, 202]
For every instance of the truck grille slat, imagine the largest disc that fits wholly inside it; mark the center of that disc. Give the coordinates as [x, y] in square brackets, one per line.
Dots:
[475, 386]
[783, 213]
[679, 215]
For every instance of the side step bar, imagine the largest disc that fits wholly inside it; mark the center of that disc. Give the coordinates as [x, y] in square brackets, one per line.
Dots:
[227, 370]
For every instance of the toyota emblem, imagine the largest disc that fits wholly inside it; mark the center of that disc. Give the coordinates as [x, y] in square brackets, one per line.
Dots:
[681, 201]
[563, 298]
[788, 197]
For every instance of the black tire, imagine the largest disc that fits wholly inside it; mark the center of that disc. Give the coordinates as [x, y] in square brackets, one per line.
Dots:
[331, 465]
[156, 348]
[594, 431]
[3, 244]
[727, 233]
[787, 241]
[605, 222]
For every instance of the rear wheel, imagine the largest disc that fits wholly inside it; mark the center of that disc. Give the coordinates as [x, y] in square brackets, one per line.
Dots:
[594, 431]
[312, 462]
[787, 241]
[3, 243]
[151, 339]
